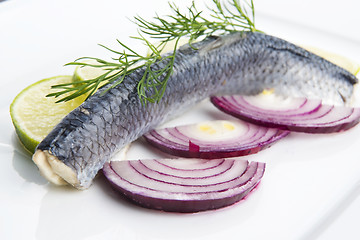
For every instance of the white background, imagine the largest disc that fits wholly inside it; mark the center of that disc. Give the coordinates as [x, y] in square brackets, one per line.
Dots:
[37, 37]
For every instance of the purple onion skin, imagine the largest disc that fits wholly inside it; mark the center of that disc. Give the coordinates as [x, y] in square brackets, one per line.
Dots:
[290, 127]
[185, 206]
[181, 206]
[227, 153]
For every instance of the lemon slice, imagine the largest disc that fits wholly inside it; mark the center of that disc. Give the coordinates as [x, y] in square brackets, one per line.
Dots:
[34, 115]
[83, 73]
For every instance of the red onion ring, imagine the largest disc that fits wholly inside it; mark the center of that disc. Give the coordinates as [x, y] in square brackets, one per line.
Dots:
[184, 185]
[311, 117]
[189, 141]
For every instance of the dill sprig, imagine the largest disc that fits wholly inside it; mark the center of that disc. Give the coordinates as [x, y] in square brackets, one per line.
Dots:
[223, 19]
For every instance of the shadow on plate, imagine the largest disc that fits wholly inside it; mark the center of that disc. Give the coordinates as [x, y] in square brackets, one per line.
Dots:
[23, 164]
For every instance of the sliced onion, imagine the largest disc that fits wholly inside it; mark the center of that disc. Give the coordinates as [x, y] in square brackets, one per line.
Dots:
[214, 139]
[297, 114]
[184, 185]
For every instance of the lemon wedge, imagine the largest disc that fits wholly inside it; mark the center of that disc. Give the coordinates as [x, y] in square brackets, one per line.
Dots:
[87, 72]
[34, 115]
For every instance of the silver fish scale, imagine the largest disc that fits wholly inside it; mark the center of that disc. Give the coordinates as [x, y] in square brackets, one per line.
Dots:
[241, 63]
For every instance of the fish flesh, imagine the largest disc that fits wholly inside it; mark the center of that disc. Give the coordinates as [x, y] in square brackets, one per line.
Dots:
[238, 63]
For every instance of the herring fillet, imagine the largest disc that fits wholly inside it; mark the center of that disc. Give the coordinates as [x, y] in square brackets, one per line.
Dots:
[239, 63]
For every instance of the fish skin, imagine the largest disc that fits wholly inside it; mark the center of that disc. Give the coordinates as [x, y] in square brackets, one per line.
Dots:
[239, 63]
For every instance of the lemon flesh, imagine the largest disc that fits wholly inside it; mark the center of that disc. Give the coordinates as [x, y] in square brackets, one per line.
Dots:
[83, 73]
[34, 115]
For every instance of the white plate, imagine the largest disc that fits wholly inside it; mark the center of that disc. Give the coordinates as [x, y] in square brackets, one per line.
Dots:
[308, 180]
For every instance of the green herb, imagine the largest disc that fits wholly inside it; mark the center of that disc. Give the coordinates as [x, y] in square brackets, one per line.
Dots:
[223, 19]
